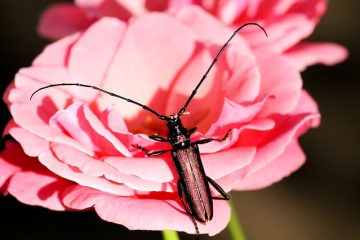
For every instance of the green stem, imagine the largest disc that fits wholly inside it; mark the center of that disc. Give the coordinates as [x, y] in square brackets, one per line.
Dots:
[235, 230]
[170, 235]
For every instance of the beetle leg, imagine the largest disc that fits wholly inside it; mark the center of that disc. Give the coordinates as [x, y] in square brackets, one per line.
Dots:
[219, 189]
[187, 209]
[202, 141]
[207, 140]
[140, 147]
[148, 153]
[192, 130]
[158, 138]
[157, 153]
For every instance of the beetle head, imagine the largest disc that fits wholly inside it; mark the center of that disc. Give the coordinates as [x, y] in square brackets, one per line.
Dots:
[173, 121]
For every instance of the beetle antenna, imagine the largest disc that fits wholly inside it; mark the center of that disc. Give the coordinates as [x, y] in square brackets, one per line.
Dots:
[183, 109]
[162, 117]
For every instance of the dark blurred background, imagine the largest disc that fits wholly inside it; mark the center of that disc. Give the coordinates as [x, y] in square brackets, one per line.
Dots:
[320, 201]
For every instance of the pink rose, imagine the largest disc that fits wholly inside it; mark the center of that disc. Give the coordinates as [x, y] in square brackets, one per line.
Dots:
[74, 145]
[287, 22]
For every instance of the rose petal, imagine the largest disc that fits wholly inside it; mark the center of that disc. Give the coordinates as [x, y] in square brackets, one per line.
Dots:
[234, 135]
[31, 144]
[136, 63]
[234, 76]
[269, 161]
[216, 33]
[283, 82]
[98, 168]
[30, 79]
[81, 64]
[234, 115]
[208, 97]
[71, 121]
[159, 170]
[7, 165]
[83, 67]
[62, 19]
[57, 53]
[114, 120]
[229, 10]
[65, 171]
[243, 85]
[29, 181]
[99, 128]
[86, 164]
[282, 34]
[38, 189]
[307, 105]
[36, 123]
[152, 169]
[145, 213]
[306, 54]
[81, 124]
[280, 137]
[114, 8]
[289, 161]
[220, 164]
[287, 22]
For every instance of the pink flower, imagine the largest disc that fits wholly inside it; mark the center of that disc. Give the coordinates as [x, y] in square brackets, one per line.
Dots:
[287, 22]
[74, 145]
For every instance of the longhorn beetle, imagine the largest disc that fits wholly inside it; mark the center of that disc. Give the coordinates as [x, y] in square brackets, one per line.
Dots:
[193, 184]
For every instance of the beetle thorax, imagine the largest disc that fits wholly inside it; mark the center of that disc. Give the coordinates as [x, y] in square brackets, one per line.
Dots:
[178, 135]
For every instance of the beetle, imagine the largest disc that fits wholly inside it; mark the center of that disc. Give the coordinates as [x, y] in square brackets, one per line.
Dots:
[193, 185]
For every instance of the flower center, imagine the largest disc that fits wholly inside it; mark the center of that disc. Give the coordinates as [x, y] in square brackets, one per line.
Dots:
[150, 125]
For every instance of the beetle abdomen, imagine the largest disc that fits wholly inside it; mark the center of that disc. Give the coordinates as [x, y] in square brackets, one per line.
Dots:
[192, 176]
